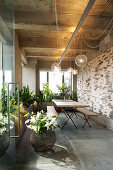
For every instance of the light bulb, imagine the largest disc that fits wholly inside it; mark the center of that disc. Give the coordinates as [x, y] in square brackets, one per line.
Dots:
[81, 60]
[55, 67]
[75, 71]
[70, 69]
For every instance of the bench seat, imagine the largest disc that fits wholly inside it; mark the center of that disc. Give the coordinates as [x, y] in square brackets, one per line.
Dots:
[51, 111]
[86, 112]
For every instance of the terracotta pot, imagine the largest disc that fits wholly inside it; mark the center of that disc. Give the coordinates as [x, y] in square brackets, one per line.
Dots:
[16, 124]
[44, 142]
[4, 143]
[35, 107]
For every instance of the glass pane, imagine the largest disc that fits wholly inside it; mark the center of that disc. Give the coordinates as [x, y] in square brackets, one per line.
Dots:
[54, 80]
[7, 145]
[43, 78]
[68, 78]
[1, 73]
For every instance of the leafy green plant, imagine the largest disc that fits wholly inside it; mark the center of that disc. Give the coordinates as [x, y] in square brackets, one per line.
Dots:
[73, 96]
[26, 97]
[39, 97]
[3, 107]
[4, 124]
[56, 96]
[64, 91]
[47, 93]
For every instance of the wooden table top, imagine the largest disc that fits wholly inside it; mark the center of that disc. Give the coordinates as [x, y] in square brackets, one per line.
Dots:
[68, 103]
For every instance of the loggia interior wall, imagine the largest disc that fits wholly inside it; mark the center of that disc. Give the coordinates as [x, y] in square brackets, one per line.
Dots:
[95, 83]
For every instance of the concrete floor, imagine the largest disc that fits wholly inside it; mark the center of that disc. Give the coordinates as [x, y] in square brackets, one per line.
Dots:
[75, 149]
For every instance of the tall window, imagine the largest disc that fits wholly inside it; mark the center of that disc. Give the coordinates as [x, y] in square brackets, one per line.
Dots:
[55, 79]
[43, 78]
[68, 78]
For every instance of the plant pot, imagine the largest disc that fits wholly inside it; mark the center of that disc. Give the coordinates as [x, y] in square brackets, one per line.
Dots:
[4, 143]
[35, 106]
[16, 124]
[44, 142]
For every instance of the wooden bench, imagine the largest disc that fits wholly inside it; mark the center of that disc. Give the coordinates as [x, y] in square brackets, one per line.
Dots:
[87, 114]
[51, 111]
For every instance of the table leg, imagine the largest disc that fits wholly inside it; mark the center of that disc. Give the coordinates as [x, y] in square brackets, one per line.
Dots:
[69, 116]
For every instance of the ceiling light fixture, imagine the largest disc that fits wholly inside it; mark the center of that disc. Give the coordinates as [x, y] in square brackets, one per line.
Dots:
[81, 60]
[70, 70]
[55, 66]
[75, 72]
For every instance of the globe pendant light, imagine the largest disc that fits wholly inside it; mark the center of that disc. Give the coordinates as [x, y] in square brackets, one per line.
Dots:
[55, 67]
[70, 69]
[81, 60]
[75, 72]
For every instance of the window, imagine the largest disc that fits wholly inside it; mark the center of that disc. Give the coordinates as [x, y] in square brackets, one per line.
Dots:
[43, 78]
[68, 78]
[55, 79]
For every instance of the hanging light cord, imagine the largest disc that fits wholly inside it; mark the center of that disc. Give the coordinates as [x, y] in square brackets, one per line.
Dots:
[98, 44]
[57, 25]
[91, 38]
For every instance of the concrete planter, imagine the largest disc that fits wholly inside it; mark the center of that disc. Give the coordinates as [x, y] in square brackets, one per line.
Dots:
[44, 105]
[4, 143]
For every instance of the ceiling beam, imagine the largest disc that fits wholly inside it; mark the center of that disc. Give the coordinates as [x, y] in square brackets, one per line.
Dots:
[33, 49]
[52, 28]
[48, 18]
[82, 19]
[48, 58]
[55, 52]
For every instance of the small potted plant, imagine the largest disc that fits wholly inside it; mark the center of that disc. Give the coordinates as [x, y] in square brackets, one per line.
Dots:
[4, 136]
[43, 127]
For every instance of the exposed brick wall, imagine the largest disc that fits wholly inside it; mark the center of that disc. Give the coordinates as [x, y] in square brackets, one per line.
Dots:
[95, 84]
[18, 67]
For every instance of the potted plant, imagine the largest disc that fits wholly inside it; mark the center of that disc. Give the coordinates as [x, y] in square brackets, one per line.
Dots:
[14, 113]
[26, 97]
[43, 127]
[4, 136]
[44, 97]
[64, 91]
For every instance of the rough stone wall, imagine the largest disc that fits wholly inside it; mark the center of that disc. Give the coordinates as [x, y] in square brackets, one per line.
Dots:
[95, 84]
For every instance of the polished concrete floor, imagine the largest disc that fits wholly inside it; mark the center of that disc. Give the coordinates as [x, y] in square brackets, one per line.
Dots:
[75, 149]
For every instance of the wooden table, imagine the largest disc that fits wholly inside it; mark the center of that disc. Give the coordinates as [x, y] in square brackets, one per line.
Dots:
[66, 105]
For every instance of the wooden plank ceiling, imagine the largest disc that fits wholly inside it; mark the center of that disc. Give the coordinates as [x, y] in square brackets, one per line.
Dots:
[36, 26]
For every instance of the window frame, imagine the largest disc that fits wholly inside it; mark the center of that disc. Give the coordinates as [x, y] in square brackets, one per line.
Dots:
[62, 78]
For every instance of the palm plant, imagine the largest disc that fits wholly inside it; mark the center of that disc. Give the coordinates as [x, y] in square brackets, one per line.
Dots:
[64, 90]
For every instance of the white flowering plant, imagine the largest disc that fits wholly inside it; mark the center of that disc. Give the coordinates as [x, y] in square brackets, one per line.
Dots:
[41, 122]
[4, 124]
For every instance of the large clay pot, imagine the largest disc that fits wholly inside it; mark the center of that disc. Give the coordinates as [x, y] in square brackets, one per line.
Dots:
[35, 106]
[16, 124]
[4, 143]
[44, 142]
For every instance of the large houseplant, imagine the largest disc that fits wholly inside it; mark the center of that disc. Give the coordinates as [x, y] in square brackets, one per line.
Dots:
[26, 97]
[64, 91]
[43, 127]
